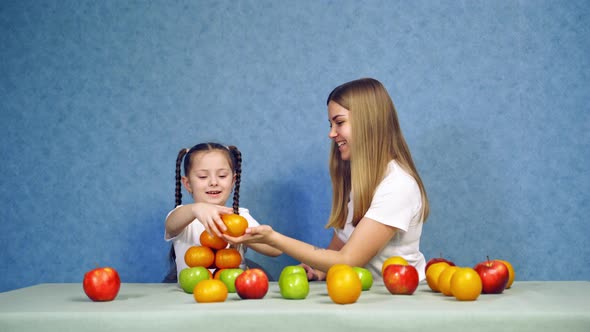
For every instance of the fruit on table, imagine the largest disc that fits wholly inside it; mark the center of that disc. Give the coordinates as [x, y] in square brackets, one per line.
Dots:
[437, 260]
[401, 279]
[466, 284]
[393, 260]
[228, 277]
[433, 273]
[252, 284]
[236, 224]
[293, 283]
[189, 277]
[511, 274]
[365, 276]
[199, 256]
[494, 276]
[101, 284]
[444, 280]
[210, 290]
[343, 283]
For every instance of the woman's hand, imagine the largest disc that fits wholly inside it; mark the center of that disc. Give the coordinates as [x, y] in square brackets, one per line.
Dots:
[210, 216]
[258, 234]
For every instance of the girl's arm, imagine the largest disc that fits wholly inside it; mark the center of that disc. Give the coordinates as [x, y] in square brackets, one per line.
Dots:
[207, 214]
[368, 238]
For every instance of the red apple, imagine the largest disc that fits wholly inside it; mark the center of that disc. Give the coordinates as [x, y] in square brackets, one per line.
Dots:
[494, 276]
[437, 260]
[401, 279]
[252, 284]
[102, 284]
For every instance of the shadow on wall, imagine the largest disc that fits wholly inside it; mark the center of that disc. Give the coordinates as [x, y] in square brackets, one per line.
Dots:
[465, 178]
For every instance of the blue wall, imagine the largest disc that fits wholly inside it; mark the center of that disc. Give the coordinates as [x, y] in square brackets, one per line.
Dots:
[98, 97]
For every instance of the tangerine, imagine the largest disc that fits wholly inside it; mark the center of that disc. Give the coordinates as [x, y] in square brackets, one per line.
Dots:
[510, 272]
[433, 273]
[236, 224]
[228, 258]
[212, 241]
[444, 280]
[211, 290]
[466, 284]
[344, 285]
[199, 256]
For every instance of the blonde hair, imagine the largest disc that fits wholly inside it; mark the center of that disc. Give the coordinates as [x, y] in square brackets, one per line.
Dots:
[377, 139]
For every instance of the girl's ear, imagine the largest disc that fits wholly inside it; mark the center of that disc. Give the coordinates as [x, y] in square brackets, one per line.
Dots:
[187, 184]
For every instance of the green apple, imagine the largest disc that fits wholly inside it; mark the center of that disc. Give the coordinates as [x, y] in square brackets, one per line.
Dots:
[293, 282]
[228, 277]
[365, 276]
[189, 277]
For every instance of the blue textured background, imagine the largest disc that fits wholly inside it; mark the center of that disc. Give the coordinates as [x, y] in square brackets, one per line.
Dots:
[98, 97]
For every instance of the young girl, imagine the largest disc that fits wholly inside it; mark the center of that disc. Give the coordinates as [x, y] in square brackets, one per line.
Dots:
[211, 171]
[379, 202]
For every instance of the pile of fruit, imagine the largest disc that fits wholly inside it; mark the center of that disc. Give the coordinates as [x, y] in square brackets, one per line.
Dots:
[466, 283]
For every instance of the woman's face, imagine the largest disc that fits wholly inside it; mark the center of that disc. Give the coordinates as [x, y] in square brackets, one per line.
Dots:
[340, 130]
[210, 178]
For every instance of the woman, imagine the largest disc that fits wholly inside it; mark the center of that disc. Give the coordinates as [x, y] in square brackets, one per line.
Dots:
[379, 202]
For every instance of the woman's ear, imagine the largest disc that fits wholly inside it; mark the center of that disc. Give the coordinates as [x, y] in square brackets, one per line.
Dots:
[187, 184]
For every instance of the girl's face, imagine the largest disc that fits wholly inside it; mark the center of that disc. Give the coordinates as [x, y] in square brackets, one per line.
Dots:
[340, 130]
[210, 179]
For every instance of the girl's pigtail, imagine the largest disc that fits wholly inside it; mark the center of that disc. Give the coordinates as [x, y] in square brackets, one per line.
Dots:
[178, 188]
[238, 172]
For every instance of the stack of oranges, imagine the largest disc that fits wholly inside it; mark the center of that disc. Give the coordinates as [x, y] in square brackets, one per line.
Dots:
[213, 252]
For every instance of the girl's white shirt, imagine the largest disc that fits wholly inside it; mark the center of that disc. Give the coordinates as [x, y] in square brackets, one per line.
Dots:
[397, 202]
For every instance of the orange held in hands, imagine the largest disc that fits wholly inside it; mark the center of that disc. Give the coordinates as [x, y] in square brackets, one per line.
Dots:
[344, 284]
[210, 290]
[212, 241]
[236, 224]
[199, 256]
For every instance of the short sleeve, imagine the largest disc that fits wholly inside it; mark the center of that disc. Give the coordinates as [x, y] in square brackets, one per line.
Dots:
[397, 200]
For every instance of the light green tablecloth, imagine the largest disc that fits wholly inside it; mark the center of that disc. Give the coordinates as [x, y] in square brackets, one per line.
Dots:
[527, 306]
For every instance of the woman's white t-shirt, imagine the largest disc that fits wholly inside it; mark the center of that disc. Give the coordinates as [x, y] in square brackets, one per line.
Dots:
[397, 202]
[190, 237]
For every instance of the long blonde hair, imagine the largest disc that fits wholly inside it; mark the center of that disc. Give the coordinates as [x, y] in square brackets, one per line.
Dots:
[376, 140]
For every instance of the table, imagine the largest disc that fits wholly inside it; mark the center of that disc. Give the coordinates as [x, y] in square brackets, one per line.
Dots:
[527, 306]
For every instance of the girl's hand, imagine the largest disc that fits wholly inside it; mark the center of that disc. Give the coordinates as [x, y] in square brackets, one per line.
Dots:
[210, 216]
[313, 274]
[258, 234]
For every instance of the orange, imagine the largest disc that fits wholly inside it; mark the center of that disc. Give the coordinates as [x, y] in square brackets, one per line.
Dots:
[335, 268]
[466, 284]
[228, 258]
[393, 260]
[433, 273]
[510, 272]
[344, 285]
[199, 256]
[444, 280]
[212, 241]
[211, 290]
[236, 224]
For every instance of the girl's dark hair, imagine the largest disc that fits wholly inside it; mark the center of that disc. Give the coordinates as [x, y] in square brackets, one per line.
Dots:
[235, 159]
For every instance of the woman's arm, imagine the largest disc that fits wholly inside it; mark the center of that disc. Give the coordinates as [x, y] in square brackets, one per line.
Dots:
[368, 238]
[265, 249]
[207, 214]
[313, 274]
